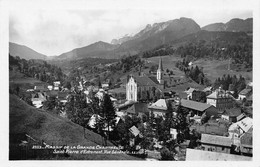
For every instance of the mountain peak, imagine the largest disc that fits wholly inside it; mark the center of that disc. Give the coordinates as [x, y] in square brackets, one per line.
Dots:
[24, 52]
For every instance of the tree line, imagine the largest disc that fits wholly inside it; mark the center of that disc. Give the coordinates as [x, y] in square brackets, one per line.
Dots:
[195, 73]
[231, 83]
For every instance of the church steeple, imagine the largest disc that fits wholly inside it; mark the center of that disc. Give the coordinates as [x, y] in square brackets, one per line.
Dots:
[160, 72]
[160, 65]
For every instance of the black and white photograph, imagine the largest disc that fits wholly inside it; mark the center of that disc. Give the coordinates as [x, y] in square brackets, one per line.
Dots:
[131, 80]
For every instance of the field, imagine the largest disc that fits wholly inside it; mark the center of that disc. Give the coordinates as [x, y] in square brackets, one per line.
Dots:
[216, 68]
[17, 78]
[211, 68]
[53, 130]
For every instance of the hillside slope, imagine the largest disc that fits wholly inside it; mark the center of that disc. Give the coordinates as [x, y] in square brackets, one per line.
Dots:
[25, 119]
[24, 52]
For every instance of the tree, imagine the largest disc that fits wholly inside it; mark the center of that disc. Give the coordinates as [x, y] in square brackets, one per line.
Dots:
[166, 154]
[181, 123]
[108, 111]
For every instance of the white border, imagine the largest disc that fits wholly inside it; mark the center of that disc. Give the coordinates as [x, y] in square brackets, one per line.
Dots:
[4, 128]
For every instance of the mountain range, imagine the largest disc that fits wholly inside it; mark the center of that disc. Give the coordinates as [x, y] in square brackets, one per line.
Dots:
[234, 25]
[148, 38]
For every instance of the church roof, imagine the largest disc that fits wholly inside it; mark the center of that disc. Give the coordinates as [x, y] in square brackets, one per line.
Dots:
[145, 81]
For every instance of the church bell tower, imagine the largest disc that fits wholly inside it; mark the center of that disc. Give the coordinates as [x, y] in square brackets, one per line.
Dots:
[160, 72]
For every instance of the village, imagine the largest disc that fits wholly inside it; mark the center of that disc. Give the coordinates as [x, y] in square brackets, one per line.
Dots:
[160, 123]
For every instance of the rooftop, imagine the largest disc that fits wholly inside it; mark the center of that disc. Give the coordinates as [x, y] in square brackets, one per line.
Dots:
[245, 124]
[218, 94]
[247, 138]
[137, 108]
[232, 112]
[160, 104]
[144, 81]
[194, 105]
[245, 91]
[190, 90]
[216, 140]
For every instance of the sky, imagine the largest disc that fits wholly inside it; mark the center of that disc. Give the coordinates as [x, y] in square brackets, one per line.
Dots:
[52, 27]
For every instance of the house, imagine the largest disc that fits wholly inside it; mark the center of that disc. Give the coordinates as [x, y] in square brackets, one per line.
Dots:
[106, 84]
[160, 108]
[63, 97]
[189, 93]
[38, 99]
[208, 90]
[232, 114]
[40, 87]
[240, 127]
[199, 108]
[200, 155]
[221, 99]
[211, 127]
[56, 85]
[50, 87]
[244, 94]
[138, 109]
[216, 143]
[246, 142]
[143, 87]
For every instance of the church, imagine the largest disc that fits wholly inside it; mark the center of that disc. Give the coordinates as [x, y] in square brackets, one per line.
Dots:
[144, 87]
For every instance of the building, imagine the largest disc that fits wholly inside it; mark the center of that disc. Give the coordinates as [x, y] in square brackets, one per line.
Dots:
[41, 87]
[138, 109]
[246, 143]
[245, 94]
[239, 128]
[38, 99]
[216, 143]
[144, 87]
[189, 93]
[208, 90]
[220, 99]
[56, 85]
[214, 128]
[232, 114]
[161, 107]
[199, 108]
[160, 73]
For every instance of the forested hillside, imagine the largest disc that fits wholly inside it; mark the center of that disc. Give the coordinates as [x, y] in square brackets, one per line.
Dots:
[37, 69]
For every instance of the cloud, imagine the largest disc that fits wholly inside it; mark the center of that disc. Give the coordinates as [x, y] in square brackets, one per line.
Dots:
[57, 27]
